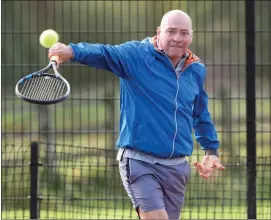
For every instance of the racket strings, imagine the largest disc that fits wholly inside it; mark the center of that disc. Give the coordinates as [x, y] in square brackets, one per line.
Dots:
[44, 88]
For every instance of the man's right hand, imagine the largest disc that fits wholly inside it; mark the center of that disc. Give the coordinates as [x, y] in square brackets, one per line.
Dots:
[63, 51]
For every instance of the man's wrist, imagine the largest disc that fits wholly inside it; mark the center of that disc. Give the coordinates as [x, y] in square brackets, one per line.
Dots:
[212, 152]
[72, 53]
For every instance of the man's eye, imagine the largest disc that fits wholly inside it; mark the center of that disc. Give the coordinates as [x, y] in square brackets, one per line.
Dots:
[171, 31]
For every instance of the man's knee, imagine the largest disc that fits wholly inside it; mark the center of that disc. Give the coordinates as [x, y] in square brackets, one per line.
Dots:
[155, 214]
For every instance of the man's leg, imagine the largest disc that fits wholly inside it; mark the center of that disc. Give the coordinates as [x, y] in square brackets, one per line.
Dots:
[175, 179]
[155, 214]
[143, 188]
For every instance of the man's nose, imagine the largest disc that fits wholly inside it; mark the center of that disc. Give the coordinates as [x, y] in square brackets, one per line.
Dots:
[178, 38]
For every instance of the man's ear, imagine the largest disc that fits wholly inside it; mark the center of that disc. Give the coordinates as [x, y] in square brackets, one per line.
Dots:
[158, 31]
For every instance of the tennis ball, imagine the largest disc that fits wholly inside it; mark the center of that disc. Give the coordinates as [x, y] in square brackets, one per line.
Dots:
[48, 38]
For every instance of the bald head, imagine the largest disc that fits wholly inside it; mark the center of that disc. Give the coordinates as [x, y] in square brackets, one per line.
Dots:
[175, 16]
[175, 34]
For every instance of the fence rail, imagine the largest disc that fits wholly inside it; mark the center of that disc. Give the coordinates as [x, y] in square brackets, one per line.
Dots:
[63, 180]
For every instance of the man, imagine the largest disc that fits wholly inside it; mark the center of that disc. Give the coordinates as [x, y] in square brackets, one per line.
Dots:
[162, 99]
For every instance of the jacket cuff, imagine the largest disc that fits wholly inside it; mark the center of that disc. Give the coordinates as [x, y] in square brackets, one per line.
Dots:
[73, 59]
[212, 152]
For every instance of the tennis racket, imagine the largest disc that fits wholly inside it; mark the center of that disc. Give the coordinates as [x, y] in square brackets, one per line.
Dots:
[43, 88]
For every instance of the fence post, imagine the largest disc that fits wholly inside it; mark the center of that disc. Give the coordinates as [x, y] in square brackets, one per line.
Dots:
[34, 165]
[250, 109]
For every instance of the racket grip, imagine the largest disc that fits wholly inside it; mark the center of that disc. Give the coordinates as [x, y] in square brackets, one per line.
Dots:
[55, 58]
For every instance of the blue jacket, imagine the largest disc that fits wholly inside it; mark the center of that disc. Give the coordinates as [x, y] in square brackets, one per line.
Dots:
[158, 109]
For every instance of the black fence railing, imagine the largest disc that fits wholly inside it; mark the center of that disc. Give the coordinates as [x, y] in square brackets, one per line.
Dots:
[34, 181]
[251, 108]
[85, 184]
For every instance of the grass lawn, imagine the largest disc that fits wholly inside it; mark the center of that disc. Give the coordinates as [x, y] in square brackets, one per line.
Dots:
[204, 212]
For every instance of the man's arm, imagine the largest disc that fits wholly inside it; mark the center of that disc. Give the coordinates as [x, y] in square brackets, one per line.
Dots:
[115, 58]
[206, 135]
[205, 132]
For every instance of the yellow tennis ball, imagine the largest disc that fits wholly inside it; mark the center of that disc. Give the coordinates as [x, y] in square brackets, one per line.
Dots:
[48, 38]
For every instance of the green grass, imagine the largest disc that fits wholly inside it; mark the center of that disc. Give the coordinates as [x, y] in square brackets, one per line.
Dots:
[95, 115]
[17, 115]
[204, 212]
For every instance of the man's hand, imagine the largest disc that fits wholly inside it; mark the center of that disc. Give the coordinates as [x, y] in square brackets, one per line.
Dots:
[63, 51]
[208, 166]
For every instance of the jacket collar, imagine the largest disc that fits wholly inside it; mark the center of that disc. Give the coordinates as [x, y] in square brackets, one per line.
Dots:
[191, 58]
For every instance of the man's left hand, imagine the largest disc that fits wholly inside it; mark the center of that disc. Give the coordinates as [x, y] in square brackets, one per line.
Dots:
[208, 166]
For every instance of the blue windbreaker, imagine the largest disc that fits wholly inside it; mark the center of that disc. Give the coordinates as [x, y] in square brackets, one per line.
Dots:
[158, 108]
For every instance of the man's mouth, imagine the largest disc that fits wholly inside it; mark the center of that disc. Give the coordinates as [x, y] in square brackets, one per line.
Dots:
[176, 46]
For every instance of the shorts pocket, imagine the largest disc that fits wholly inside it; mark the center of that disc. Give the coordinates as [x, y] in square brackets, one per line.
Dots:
[137, 169]
[187, 171]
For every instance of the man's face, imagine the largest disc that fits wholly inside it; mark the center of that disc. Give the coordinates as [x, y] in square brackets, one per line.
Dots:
[175, 35]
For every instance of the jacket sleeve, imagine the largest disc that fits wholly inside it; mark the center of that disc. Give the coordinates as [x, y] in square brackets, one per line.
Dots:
[112, 58]
[205, 132]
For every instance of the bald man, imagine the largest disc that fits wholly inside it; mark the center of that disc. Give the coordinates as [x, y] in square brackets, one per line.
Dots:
[162, 100]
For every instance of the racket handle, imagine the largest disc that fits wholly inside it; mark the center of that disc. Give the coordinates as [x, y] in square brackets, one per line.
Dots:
[55, 58]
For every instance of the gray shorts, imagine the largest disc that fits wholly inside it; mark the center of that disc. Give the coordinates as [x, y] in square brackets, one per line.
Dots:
[155, 186]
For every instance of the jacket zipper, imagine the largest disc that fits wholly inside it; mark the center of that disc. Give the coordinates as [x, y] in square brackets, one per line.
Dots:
[176, 105]
[175, 114]
[176, 102]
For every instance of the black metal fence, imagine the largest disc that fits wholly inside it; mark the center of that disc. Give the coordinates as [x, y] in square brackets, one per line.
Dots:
[73, 173]
[84, 184]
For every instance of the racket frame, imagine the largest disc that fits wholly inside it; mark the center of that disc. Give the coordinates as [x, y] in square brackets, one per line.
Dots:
[52, 64]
